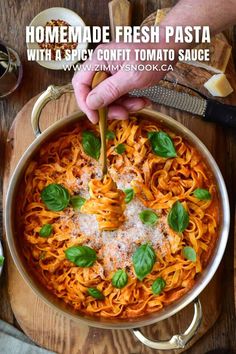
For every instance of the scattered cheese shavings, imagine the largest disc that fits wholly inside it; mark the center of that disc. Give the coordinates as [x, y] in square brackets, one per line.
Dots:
[115, 248]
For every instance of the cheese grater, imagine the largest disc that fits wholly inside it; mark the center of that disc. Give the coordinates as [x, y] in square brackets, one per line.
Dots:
[210, 110]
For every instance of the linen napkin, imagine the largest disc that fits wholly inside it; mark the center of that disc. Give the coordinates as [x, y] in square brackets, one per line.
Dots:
[13, 341]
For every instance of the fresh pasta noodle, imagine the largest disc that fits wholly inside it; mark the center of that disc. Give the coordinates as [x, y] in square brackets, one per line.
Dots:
[122, 252]
[106, 202]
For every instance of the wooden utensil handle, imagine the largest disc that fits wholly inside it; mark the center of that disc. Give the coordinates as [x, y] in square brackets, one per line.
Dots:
[119, 14]
[102, 112]
[98, 78]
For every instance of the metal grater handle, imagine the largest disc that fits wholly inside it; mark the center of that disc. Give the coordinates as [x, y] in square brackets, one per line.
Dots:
[175, 99]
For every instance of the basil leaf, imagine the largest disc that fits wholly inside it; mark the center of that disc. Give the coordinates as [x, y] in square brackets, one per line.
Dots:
[202, 194]
[97, 294]
[178, 218]
[148, 217]
[143, 260]
[158, 285]
[120, 149]
[77, 201]
[55, 197]
[82, 256]
[129, 194]
[91, 144]
[45, 230]
[120, 279]
[110, 135]
[189, 253]
[1, 260]
[42, 255]
[162, 144]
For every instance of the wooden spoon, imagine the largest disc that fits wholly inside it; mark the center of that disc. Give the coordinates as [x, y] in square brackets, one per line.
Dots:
[102, 112]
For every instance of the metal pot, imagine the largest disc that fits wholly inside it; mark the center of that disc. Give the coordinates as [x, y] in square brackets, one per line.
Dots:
[177, 341]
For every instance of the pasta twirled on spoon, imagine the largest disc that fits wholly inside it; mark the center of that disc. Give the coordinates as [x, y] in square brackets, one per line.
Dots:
[107, 202]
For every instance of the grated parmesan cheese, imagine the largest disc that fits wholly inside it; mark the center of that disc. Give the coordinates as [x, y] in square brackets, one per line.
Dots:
[123, 180]
[87, 175]
[87, 224]
[115, 248]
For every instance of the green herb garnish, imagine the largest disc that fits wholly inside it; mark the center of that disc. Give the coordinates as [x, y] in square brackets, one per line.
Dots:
[129, 195]
[143, 260]
[110, 135]
[45, 230]
[120, 149]
[55, 197]
[119, 279]
[1, 260]
[202, 194]
[162, 144]
[158, 285]
[148, 217]
[82, 256]
[178, 218]
[97, 294]
[77, 201]
[189, 253]
[91, 144]
[42, 255]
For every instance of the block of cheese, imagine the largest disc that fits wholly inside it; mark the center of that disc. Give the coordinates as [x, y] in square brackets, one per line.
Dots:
[160, 15]
[219, 56]
[220, 50]
[218, 85]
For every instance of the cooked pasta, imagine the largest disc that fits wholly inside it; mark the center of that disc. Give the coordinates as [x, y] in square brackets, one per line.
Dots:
[164, 234]
[106, 202]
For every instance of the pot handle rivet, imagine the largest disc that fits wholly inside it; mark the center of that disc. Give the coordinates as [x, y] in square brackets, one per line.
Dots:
[178, 341]
[52, 93]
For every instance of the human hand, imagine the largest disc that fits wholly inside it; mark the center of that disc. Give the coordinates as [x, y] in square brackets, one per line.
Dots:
[112, 91]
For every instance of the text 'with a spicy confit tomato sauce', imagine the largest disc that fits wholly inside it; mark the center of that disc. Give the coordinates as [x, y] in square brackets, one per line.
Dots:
[167, 234]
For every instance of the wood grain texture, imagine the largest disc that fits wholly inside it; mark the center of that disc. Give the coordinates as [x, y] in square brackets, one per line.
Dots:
[14, 16]
[119, 14]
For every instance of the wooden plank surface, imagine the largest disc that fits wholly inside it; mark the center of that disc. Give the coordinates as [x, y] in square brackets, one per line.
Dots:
[14, 16]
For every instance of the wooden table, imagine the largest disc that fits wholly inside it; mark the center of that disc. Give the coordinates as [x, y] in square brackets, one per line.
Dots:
[14, 16]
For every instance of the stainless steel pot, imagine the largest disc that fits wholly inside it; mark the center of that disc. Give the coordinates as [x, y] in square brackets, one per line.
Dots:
[177, 341]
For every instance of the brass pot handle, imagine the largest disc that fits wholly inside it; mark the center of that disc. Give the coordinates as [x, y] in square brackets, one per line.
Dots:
[178, 341]
[52, 93]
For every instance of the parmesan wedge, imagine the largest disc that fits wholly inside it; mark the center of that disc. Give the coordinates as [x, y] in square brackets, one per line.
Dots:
[218, 85]
[219, 56]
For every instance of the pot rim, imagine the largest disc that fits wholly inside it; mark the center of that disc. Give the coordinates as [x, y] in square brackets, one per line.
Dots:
[171, 309]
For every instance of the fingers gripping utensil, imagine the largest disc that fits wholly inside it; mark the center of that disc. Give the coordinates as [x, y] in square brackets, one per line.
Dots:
[102, 112]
